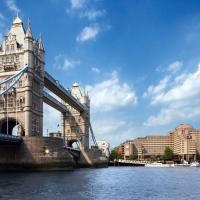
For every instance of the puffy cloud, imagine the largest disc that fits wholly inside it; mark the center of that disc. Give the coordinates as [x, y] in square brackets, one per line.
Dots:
[95, 70]
[88, 33]
[179, 100]
[93, 14]
[111, 94]
[77, 4]
[175, 66]
[108, 126]
[155, 91]
[11, 4]
[64, 63]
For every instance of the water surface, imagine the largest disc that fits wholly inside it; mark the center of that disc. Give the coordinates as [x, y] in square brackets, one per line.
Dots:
[127, 183]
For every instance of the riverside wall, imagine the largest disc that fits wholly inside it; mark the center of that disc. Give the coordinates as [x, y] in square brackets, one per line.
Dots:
[46, 154]
[35, 153]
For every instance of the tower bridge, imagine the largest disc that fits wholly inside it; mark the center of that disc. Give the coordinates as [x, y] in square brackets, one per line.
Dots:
[22, 83]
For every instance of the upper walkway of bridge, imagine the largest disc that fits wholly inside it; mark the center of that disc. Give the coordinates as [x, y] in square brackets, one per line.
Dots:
[55, 87]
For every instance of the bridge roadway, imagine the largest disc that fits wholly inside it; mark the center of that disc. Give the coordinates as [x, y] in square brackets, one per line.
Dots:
[55, 87]
[10, 139]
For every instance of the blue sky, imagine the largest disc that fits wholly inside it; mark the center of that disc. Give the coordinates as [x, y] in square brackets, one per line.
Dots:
[139, 60]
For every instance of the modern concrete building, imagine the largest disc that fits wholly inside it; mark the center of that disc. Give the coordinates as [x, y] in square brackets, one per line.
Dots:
[104, 146]
[183, 140]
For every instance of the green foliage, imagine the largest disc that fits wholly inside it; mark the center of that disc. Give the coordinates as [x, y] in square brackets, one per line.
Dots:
[132, 157]
[115, 155]
[168, 154]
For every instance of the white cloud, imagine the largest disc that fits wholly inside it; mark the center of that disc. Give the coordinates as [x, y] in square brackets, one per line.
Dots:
[93, 14]
[52, 119]
[175, 66]
[155, 91]
[178, 100]
[111, 94]
[108, 126]
[77, 4]
[88, 33]
[64, 63]
[11, 4]
[95, 70]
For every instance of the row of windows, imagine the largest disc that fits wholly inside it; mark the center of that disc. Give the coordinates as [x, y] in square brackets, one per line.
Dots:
[10, 47]
[35, 125]
[11, 103]
[8, 59]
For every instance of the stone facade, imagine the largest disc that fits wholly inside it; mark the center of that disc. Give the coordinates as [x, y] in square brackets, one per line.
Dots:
[22, 107]
[75, 125]
[35, 153]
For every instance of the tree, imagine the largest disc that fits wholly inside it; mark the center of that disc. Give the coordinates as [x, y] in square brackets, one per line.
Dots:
[115, 155]
[132, 157]
[168, 154]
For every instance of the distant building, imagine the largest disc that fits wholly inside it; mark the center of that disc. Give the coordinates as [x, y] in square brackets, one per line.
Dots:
[104, 146]
[55, 134]
[183, 140]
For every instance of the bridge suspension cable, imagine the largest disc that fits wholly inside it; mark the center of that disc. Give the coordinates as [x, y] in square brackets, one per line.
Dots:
[10, 82]
[92, 133]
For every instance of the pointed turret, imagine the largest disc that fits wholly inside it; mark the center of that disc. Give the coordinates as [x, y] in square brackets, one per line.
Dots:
[17, 20]
[40, 43]
[28, 31]
[17, 29]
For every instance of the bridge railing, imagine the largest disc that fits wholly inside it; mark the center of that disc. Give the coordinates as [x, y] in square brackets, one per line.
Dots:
[6, 137]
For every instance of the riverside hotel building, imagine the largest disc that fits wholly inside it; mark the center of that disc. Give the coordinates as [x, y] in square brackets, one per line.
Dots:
[183, 140]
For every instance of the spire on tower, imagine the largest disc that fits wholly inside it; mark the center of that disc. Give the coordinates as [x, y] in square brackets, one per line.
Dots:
[28, 31]
[40, 42]
[17, 20]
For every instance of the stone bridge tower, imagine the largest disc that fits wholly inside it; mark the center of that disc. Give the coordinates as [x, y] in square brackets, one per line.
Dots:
[75, 125]
[22, 107]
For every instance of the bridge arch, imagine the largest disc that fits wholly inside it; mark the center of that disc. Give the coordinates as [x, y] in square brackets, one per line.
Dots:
[8, 125]
[73, 143]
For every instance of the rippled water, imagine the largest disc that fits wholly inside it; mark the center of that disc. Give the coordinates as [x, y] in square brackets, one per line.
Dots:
[127, 183]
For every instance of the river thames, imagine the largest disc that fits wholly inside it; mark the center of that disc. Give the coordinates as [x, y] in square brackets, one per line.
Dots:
[127, 183]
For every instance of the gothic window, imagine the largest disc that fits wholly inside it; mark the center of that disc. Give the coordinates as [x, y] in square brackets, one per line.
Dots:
[10, 103]
[33, 124]
[17, 58]
[20, 83]
[7, 47]
[12, 59]
[7, 59]
[12, 47]
[37, 125]
[1, 103]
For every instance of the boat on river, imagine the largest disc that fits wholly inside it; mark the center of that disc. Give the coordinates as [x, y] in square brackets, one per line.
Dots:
[157, 164]
[195, 164]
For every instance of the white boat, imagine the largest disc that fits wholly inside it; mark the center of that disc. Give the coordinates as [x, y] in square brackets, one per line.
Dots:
[156, 164]
[194, 164]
